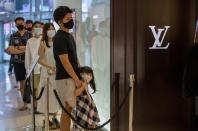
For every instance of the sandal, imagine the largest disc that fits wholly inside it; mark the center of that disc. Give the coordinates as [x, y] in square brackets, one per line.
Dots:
[52, 126]
[23, 108]
[55, 121]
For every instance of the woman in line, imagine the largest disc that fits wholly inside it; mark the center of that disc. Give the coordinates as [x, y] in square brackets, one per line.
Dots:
[48, 73]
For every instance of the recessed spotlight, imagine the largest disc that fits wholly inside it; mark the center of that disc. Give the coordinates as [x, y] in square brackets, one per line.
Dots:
[95, 17]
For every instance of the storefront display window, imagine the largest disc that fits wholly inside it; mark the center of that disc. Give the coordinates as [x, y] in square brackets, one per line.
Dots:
[93, 46]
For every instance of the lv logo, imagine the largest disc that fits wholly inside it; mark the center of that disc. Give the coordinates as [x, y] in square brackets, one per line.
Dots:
[158, 43]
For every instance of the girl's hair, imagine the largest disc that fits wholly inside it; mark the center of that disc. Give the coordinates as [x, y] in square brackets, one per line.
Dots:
[45, 37]
[88, 70]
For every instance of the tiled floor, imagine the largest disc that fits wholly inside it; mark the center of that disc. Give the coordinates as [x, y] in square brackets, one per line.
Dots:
[11, 119]
[10, 100]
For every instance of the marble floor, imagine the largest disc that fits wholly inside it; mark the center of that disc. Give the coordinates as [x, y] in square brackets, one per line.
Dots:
[10, 100]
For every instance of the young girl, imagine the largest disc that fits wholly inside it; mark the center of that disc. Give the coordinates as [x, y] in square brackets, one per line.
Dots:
[48, 72]
[86, 112]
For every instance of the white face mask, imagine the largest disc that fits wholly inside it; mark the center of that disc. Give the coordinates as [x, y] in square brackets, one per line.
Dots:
[51, 33]
[87, 78]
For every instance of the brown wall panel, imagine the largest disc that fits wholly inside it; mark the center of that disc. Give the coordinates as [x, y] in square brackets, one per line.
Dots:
[122, 52]
[158, 101]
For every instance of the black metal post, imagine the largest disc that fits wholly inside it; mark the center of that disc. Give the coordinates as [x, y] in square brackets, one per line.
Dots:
[117, 99]
[34, 125]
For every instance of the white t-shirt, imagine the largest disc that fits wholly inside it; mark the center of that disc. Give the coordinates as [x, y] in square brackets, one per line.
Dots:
[31, 53]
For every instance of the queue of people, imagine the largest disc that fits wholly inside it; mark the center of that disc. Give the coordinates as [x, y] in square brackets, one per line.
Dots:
[58, 68]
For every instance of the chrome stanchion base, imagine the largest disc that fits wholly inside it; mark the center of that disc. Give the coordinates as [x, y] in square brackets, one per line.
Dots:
[29, 128]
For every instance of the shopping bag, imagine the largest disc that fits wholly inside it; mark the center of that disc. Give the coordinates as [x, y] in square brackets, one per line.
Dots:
[27, 91]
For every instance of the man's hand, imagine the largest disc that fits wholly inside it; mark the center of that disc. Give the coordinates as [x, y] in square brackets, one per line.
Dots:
[84, 84]
[78, 83]
[79, 91]
[21, 48]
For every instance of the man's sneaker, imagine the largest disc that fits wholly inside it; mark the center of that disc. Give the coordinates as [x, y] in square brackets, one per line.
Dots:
[9, 72]
[52, 126]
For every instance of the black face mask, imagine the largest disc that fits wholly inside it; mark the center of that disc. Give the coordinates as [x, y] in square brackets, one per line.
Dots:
[20, 27]
[29, 29]
[69, 25]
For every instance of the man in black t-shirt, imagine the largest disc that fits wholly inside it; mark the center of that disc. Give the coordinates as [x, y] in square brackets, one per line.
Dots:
[67, 65]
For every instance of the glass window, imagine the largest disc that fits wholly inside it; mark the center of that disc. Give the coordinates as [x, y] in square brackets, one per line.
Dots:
[93, 48]
[7, 5]
[33, 5]
[23, 5]
[46, 5]
[9, 28]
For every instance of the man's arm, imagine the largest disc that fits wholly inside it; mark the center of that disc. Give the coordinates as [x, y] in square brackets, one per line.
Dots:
[14, 50]
[78, 63]
[22, 48]
[68, 67]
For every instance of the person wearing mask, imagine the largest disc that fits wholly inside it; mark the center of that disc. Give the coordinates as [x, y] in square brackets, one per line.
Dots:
[10, 62]
[31, 53]
[100, 55]
[18, 41]
[67, 64]
[100, 58]
[11, 66]
[28, 25]
[92, 34]
[48, 72]
[81, 47]
[86, 112]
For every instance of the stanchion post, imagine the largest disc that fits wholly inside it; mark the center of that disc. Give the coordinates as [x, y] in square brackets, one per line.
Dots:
[132, 80]
[33, 94]
[47, 107]
[31, 73]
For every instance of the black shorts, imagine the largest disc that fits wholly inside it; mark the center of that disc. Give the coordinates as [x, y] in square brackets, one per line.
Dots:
[19, 70]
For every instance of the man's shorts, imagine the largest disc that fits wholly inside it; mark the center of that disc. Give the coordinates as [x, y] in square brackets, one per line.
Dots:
[66, 91]
[36, 80]
[19, 70]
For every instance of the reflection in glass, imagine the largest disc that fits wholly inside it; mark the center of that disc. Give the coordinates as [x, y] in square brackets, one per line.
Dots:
[7, 5]
[93, 48]
[196, 34]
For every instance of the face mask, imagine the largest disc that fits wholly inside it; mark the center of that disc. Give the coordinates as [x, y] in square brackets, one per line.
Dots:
[20, 27]
[69, 25]
[29, 29]
[87, 78]
[51, 33]
[37, 31]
